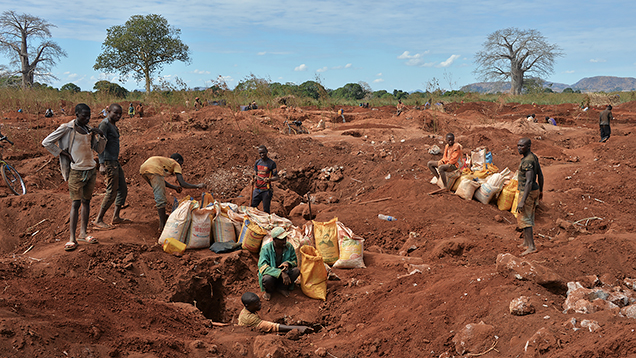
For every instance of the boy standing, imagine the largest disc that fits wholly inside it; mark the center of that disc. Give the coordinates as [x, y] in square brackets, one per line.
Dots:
[266, 173]
[249, 317]
[154, 171]
[114, 178]
[73, 143]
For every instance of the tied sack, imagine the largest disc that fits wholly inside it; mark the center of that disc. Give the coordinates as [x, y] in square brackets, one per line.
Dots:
[251, 236]
[178, 222]
[466, 189]
[313, 274]
[351, 249]
[201, 228]
[222, 226]
[490, 188]
[326, 238]
[507, 196]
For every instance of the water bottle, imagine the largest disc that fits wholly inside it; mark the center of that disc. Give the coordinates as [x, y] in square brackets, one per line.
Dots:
[386, 217]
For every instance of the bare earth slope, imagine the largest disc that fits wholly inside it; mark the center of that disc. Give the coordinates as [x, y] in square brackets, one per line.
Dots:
[126, 298]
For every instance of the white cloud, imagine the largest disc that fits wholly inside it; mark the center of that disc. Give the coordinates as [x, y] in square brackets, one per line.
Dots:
[320, 70]
[415, 60]
[379, 74]
[226, 79]
[262, 53]
[378, 80]
[595, 60]
[569, 71]
[348, 65]
[302, 67]
[449, 61]
[201, 72]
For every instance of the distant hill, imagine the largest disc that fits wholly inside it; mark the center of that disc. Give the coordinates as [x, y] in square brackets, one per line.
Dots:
[588, 84]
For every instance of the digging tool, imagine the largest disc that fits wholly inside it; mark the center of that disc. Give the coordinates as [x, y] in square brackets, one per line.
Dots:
[311, 216]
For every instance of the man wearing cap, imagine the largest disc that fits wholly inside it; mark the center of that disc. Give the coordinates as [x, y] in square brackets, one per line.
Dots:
[277, 265]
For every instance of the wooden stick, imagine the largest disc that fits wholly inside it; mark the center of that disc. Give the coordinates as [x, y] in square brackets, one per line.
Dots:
[45, 164]
[354, 179]
[219, 324]
[437, 191]
[375, 201]
[481, 354]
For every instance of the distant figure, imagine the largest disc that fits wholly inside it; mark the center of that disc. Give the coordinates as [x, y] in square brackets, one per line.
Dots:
[48, 113]
[105, 112]
[550, 120]
[341, 114]
[252, 105]
[140, 110]
[532, 118]
[20, 110]
[530, 192]
[400, 108]
[197, 104]
[604, 123]
[131, 110]
[366, 105]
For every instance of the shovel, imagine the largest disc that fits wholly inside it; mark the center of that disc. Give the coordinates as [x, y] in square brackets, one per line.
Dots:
[311, 216]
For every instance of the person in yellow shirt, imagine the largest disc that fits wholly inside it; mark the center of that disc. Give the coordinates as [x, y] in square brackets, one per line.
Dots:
[248, 317]
[448, 163]
[154, 170]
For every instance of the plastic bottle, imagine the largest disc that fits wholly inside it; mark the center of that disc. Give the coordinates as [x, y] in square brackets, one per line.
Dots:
[386, 217]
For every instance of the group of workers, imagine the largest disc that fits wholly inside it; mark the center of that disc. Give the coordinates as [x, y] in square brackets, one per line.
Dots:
[530, 179]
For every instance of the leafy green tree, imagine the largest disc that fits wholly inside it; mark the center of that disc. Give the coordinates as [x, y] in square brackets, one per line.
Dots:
[16, 31]
[110, 88]
[71, 87]
[351, 91]
[379, 93]
[141, 46]
[511, 53]
[399, 94]
[312, 89]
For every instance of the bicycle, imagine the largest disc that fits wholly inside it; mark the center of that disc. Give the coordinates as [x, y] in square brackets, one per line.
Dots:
[9, 174]
[295, 127]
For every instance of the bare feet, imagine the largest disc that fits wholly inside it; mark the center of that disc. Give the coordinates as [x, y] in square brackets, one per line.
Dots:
[102, 225]
[529, 251]
[267, 296]
[284, 292]
[120, 221]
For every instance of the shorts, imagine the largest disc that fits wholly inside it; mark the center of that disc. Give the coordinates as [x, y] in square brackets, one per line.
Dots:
[81, 184]
[525, 218]
[158, 184]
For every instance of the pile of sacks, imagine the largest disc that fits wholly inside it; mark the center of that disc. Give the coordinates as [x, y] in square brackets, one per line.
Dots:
[208, 224]
[478, 178]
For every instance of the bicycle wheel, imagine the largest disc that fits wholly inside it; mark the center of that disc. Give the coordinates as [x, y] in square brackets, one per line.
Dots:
[13, 179]
[303, 130]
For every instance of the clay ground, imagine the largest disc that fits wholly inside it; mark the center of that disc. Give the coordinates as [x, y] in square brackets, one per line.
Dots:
[127, 298]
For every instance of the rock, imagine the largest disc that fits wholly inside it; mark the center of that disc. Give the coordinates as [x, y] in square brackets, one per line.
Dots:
[270, 346]
[589, 281]
[474, 338]
[240, 349]
[525, 270]
[290, 199]
[129, 258]
[582, 300]
[630, 282]
[451, 247]
[499, 218]
[541, 343]
[521, 306]
[592, 325]
[609, 280]
[434, 150]
[321, 352]
[564, 224]
[293, 335]
[198, 344]
[629, 312]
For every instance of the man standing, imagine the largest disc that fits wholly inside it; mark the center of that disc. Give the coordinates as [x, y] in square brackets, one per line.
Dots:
[109, 166]
[448, 163]
[266, 173]
[604, 122]
[530, 192]
[131, 110]
[73, 142]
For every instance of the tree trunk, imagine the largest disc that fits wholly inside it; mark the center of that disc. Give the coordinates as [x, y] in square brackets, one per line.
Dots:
[516, 81]
[148, 81]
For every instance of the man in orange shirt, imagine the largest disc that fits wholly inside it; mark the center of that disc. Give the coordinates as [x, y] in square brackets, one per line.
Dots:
[448, 163]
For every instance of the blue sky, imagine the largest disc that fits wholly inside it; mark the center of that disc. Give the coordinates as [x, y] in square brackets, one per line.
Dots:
[389, 45]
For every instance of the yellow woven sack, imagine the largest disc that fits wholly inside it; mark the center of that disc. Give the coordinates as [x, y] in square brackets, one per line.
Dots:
[513, 208]
[326, 238]
[313, 274]
[251, 236]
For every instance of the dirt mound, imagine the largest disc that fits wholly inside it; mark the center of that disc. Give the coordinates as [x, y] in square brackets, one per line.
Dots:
[431, 276]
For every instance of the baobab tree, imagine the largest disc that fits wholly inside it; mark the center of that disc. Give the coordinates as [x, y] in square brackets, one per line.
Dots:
[16, 33]
[512, 53]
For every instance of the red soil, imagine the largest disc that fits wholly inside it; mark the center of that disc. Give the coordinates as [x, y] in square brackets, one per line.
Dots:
[126, 298]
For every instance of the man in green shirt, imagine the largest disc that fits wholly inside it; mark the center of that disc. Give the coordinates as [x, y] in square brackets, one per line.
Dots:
[530, 192]
[277, 265]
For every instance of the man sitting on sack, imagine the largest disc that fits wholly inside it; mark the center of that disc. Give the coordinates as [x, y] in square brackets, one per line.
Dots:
[448, 163]
[277, 265]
